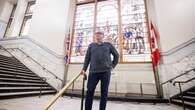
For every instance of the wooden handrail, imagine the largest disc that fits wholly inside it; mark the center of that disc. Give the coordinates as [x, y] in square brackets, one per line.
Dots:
[170, 80]
[53, 100]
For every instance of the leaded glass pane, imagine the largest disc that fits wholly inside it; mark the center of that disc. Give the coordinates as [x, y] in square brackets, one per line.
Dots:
[135, 32]
[134, 38]
[107, 21]
[83, 31]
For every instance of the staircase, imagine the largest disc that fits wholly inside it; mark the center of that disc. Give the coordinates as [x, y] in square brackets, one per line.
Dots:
[16, 80]
[188, 97]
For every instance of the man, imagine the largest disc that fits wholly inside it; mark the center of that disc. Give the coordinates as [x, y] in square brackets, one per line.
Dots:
[99, 57]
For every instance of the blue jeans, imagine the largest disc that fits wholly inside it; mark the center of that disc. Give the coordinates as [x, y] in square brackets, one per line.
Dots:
[93, 80]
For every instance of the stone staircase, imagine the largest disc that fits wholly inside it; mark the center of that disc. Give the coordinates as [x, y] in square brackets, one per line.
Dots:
[188, 97]
[16, 80]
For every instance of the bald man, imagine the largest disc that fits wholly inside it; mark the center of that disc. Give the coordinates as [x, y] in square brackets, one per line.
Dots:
[99, 57]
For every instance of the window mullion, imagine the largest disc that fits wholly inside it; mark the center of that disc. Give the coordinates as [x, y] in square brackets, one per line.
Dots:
[72, 34]
[95, 20]
[120, 31]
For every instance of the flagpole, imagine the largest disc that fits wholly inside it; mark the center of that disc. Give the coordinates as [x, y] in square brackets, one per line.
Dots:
[156, 74]
[155, 62]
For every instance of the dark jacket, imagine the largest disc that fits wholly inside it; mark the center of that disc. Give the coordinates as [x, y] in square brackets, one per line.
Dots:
[99, 57]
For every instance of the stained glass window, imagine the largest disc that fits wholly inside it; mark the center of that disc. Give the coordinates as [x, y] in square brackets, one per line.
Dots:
[134, 30]
[107, 21]
[83, 31]
[131, 40]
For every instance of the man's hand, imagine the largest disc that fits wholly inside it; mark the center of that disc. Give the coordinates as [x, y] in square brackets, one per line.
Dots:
[82, 72]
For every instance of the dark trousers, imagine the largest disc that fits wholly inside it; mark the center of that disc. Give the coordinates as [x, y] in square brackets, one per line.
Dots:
[93, 80]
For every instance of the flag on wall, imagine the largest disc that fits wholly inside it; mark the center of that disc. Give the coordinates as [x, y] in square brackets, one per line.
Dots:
[67, 48]
[154, 45]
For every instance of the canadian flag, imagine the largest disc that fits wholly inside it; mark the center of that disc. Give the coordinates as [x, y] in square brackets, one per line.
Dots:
[154, 45]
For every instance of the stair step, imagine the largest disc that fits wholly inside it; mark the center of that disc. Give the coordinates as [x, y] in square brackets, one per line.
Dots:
[187, 104]
[192, 94]
[13, 65]
[20, 80]
[15, 70]
[19, 76]
[25, 93]
[17, 80]
[21, 84]
[2, 55]
[12, 88]
[9, 60]
[18, 68]
[192, 90]
[186, 98]
[16, 73]
[23, 89]
[6, 57]
[18, 64]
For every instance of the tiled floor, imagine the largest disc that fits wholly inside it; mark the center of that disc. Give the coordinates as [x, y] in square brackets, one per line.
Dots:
[66, 103]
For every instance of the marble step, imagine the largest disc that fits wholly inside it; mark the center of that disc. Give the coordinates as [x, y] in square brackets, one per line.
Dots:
[19, 76]
[16, 73]
[186, 103]
[20, 80]
[5, 84]
[15, 70]
[23, 68]
[24, 94]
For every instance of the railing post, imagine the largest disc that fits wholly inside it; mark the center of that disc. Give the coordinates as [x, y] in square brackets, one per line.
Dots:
[161, 91]
[72, 89]
[83, 91]
[181, 96]
[115, 88]
[141, 89]
[40, 92]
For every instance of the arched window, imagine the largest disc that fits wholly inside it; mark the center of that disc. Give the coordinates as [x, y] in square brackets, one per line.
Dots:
[124, 23]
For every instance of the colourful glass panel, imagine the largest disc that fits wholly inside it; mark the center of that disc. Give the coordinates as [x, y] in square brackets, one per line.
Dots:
[135, 32]
[83, 31]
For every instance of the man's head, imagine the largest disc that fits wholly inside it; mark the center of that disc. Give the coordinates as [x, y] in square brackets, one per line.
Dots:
[99, 36]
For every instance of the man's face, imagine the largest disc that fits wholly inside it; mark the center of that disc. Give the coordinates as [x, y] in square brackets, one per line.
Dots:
[99, 37]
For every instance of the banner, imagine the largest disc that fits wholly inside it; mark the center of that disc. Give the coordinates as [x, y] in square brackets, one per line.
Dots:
[154, 45]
